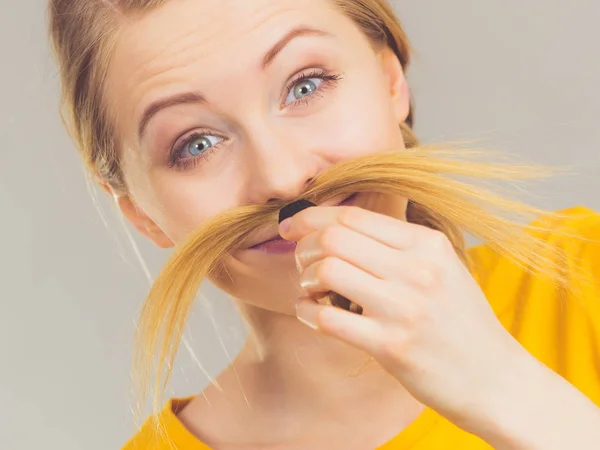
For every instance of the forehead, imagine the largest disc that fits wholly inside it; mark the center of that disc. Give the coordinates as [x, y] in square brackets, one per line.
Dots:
[167, 47]
[214, 28]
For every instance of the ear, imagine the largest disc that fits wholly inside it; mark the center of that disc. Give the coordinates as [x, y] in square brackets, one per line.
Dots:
[139, 219]
[396, 79]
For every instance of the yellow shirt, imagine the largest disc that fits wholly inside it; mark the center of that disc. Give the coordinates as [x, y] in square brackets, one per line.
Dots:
[563, 333]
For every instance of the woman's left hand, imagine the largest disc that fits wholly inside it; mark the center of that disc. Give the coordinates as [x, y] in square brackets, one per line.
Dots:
[425, 319]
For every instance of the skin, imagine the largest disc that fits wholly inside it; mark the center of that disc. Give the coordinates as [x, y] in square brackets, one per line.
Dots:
[433, 336]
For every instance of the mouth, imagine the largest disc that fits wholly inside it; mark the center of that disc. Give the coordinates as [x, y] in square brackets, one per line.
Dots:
[277, 245]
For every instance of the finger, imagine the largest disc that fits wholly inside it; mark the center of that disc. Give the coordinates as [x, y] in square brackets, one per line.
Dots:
[390, 231]
[309, 221]
[417, 269]
[342, 242]
[322, 298]
[395, 233]
[333, 274]
[359, 331]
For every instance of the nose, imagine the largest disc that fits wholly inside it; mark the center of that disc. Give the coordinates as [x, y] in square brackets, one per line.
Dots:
[280, 167]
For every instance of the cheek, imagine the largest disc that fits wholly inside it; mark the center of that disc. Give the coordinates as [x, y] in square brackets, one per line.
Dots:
[178, 202]
[361, 122]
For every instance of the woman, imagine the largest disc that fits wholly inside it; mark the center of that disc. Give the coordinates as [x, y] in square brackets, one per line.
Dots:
[186, 109]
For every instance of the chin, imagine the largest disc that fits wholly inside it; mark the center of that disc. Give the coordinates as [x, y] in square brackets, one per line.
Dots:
[270, 286]
[259, 307]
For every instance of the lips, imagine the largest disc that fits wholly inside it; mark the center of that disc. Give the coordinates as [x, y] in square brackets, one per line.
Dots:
[278, 245]
[349, 201]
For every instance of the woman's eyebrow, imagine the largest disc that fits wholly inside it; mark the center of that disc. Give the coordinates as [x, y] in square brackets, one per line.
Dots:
[194, 97]
[154, 108]
[286, 39]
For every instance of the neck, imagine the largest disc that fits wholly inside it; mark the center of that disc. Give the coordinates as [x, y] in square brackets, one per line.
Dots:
[287, 364]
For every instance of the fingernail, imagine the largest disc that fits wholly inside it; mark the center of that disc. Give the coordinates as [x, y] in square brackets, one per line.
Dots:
[309, 283]
[298, 265]
[285, 225]
[306, 315]
[301, 299]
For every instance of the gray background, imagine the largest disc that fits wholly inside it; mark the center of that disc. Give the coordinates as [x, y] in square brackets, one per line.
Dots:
[522, 75]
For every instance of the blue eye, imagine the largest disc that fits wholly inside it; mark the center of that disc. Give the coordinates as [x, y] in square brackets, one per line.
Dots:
[195, 148]
[302, 89]
[197, 145]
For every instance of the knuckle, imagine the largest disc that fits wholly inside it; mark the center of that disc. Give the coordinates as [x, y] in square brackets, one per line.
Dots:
[390, 348]
[439, 241]
[401, 346]
[401, 349]
[326, 270]
[395, 348]
[415, 317]
[298, 224]
[350, 214]
[330, 238]
[429, 275]
[303, 220]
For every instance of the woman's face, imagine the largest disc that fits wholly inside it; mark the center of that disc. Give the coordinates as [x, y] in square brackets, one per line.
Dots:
[219, 103]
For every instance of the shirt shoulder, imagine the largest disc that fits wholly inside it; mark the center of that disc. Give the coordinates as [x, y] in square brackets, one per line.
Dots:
[559, 326]
[573, 232]
[165, 431]
[153, 435]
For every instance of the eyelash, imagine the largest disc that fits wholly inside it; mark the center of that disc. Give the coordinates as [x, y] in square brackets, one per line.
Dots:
[329, 80]
[175, 161]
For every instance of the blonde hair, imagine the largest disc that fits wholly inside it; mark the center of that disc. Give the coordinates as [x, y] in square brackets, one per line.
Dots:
[83, 33]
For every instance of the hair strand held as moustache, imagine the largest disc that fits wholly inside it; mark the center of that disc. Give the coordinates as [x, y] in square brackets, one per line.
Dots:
[426, 176]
